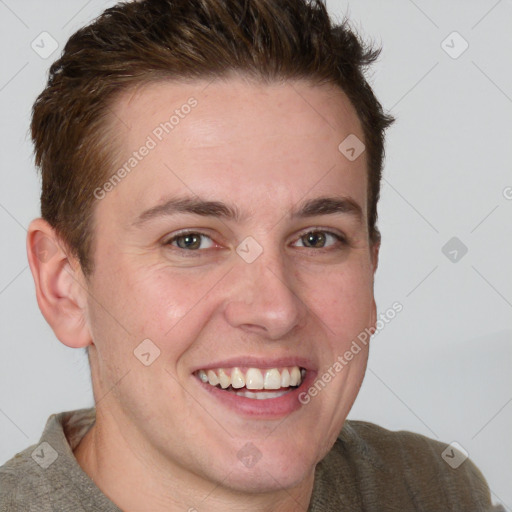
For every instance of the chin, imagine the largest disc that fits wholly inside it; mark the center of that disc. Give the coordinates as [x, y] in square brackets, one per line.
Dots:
[268, 477]
[270, 467]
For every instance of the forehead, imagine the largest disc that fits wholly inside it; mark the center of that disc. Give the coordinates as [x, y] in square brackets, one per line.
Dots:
[242, 138]
[293, 107]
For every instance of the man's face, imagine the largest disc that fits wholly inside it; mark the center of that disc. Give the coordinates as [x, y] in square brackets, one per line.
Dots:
[267, 291]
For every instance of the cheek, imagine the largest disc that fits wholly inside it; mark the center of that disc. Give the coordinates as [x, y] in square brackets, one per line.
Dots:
[164, 306]
[343, 301]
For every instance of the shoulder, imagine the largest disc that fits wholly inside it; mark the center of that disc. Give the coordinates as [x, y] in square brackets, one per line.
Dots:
[46, 475]
[409, 450]
[412, 469]
[22, 483]
[396, 446]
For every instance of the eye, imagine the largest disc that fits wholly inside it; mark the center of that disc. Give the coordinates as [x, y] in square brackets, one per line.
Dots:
[317, 239]
[189, 240]
[194, 241]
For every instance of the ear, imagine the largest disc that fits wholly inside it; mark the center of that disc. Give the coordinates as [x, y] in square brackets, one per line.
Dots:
[374, 254]
[374, 248]
[61, 287]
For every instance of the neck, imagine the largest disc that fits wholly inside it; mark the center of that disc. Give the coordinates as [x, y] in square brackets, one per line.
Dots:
[121, 467]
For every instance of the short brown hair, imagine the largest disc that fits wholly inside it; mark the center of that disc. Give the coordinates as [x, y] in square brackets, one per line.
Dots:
[136, 42]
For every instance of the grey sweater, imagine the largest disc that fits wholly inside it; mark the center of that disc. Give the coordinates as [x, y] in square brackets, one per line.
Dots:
[368, 469]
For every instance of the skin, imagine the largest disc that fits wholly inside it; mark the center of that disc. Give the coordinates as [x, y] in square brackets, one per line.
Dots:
[160, 442]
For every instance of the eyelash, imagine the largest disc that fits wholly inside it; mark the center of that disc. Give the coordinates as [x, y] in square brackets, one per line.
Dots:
[196, 252]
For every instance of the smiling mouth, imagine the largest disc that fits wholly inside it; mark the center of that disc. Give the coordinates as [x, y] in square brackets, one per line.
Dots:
[255, 383]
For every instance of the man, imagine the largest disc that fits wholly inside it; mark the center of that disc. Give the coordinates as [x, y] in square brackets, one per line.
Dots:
[211, 174]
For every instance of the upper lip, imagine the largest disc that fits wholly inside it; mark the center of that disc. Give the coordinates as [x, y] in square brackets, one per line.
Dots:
[258, 362]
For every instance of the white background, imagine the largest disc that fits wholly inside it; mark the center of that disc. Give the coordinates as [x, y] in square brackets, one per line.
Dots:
[442, 367]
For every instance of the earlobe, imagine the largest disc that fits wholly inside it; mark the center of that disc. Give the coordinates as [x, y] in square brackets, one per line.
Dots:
[61, 290]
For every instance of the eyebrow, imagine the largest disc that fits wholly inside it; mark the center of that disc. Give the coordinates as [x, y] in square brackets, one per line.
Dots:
[193, 205]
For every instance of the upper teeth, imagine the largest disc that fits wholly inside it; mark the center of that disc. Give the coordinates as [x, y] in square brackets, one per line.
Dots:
[253, 378]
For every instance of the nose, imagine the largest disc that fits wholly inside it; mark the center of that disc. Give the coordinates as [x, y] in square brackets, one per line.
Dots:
[264, 299]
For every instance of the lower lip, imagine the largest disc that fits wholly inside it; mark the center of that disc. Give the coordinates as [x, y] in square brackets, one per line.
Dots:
[269, 408]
